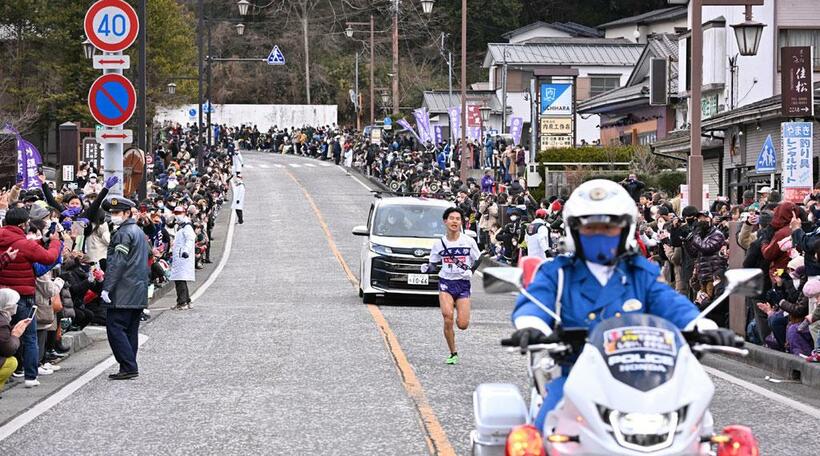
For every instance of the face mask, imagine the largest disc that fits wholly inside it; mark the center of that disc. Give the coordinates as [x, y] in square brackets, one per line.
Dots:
[160, 204]
[116, 220]
[703, 225]
[794, 276]
[600, 248]
[514, 218]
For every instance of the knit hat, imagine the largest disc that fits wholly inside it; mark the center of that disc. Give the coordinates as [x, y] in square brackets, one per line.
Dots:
[796, 262]
[689, 211]
[16, 216]
[38, 212]
[749, 194]
[8, 302]
[812, 288]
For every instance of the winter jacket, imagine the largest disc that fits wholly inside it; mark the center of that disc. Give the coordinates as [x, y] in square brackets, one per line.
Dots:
[8, 343]
[183, 267]
[19, 274]
[805, 243]
[489, 216]
[705, 249]
[46, 288]
[487, 184]
[126, 275]
[779, 259]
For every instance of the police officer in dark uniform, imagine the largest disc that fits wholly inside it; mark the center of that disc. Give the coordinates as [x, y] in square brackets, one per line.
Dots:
[125, 289]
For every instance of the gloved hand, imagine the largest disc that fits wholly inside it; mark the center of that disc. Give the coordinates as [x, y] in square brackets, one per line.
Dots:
[721, 337]
[424, 268]
[184, 255]
[104, 297]
[111, 181]
[524, 337]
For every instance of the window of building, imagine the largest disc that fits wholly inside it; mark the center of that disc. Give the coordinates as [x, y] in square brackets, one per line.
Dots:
[603, 83]
[800, 37]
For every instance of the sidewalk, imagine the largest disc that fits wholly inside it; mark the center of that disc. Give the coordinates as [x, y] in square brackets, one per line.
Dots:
[85, 352]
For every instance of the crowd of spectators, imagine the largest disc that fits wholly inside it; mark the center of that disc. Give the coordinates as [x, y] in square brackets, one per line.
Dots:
[53, 246]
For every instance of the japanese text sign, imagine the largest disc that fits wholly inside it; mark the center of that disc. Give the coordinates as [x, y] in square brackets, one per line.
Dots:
[798, 142]
[797, 68]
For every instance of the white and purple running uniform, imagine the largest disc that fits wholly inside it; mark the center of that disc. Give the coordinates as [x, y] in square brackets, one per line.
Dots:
[457, 259]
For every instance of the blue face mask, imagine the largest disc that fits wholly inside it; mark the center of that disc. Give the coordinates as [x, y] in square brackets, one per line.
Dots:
[600, 248]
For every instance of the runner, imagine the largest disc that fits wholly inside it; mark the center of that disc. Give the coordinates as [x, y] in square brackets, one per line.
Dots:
[458, 253]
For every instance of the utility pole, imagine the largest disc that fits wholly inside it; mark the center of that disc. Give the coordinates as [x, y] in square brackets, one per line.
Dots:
[210, 102]
[466, 157]
[356, 98]
[201, 64]
[372, 64]
[307, 49]
[696, 157]
[395, 57]
[504, 94]
[142, 188]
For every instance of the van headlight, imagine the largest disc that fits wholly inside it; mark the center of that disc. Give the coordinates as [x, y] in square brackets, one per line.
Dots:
[380, 249]
[643, 431]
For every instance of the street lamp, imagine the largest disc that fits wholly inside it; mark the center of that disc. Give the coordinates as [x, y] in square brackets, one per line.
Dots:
[243, 7]
[485, 114]
[349, 31]
[172, 88]
[385, 98]
[748, 36]
[240, 29]
[88, 48]
[427, 6]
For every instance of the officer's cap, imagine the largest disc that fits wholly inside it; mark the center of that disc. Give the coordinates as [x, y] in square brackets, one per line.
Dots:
[117, 203]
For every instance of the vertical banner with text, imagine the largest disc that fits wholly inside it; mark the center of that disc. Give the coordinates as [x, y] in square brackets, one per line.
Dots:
[798, 143]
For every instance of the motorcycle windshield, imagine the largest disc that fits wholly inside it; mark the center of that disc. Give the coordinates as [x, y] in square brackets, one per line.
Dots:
[640, 349]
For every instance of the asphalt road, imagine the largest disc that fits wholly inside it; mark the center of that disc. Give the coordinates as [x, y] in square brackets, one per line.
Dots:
[279, 356]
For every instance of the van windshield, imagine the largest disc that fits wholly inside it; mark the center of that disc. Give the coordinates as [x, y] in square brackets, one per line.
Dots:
[409, 221]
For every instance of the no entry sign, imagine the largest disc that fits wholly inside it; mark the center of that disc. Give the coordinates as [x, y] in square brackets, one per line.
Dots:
[112, 100]
[111, 25]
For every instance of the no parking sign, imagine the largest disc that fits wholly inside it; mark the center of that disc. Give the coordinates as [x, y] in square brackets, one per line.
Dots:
[112, 100]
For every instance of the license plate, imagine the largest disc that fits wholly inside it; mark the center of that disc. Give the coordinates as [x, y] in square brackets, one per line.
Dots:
[418, 279]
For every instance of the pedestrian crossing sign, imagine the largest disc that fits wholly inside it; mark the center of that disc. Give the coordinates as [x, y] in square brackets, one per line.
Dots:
[767, 160]
[276, 57]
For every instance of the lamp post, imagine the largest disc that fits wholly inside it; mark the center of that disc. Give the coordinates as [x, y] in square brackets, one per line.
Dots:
[747, 29]
[88, 48]
[172, 88]
[240, 29]
[243, 7]
[349, 31]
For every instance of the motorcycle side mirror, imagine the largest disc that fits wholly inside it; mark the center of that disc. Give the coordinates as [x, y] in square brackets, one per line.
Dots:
[502, 280]
[746, 282]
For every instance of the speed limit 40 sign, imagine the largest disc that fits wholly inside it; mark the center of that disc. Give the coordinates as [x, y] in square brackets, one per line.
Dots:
[111, 25]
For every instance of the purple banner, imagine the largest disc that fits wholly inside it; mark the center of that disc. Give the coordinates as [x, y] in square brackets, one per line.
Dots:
[28, 163]
[423, 124]
[474, 133]
[439, 134]
[516, 126]
[406, 125]
[455, 122]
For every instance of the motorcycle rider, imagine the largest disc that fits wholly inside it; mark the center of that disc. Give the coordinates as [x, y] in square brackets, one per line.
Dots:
[603, 278]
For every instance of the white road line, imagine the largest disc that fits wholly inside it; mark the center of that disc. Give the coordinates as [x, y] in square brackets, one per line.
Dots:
[325, 164]
[46, 404]
[30, 415]
[279, 166]
[310, 165]
[264, 166]
[791, 403]
[247, 166]
[355, 178]
[294, 165]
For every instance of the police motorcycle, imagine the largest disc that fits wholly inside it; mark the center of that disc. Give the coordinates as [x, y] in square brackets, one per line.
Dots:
[636, 387]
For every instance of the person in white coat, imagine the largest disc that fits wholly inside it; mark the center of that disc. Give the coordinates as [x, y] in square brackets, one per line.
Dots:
[237, 161]
[238, 197]
[183, 257]
[538, 235]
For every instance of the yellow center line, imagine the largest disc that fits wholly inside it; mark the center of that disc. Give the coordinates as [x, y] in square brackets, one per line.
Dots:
[437, 441]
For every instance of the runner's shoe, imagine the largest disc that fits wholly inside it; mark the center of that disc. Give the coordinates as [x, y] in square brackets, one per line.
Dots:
[452, 359]
[814, 357]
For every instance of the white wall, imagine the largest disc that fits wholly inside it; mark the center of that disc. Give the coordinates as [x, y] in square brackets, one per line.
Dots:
[540, 32]
[628, 31]
[263, 116]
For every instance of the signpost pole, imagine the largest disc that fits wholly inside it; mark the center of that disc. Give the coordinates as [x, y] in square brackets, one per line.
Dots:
[112, 152]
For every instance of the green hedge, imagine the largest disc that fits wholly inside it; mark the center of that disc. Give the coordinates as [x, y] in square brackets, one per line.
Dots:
[589, 154]
[666, 181]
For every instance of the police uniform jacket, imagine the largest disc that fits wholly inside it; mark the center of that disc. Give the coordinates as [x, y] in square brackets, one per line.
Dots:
[126, 274]
[635, 286]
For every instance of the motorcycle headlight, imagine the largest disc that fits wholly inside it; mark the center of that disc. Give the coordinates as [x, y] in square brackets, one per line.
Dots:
[380, 249]
[644, 431]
